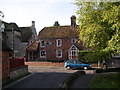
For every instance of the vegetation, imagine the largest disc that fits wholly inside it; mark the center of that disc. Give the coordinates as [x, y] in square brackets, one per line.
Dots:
[1, 15]
[108, 70]
[106, 81]
[93, 56]
[99, 27]
[70, 80]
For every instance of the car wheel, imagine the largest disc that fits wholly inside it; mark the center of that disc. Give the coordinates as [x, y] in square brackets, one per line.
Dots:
[85, 67]
[68, 67]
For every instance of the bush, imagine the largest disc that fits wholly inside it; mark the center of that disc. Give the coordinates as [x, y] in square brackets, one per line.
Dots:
[108, 70]
[68, 82]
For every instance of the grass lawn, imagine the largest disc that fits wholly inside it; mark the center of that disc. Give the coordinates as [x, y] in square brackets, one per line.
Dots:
[109, 80]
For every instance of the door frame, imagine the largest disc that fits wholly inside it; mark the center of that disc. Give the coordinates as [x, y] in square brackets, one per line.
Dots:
[73, 53]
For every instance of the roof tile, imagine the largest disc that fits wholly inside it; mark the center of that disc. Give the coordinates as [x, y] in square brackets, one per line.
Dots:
[58, 32]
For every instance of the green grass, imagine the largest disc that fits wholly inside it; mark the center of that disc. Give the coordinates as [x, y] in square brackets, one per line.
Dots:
[110, 80]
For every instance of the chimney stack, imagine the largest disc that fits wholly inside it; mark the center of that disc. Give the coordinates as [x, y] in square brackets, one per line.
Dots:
[34, 33]
[33, 23]
[73, 22]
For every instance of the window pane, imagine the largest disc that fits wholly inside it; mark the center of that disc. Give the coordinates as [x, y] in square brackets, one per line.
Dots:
[59, 54]
[43, 54]
[59, 42]
[42, 43]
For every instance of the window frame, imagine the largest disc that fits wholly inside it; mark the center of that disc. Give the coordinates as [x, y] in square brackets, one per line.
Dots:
[57, 55]
[59, 42]
[73, 40]
[41, 54]
[41, 44]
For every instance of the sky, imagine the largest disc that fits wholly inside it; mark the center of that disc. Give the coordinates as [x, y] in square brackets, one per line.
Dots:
[43, 12]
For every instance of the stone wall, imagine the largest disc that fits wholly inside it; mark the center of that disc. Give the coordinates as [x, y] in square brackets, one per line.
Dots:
[16, 72]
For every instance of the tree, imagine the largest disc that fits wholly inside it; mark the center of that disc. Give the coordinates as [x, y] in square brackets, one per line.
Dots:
[1, 15]
[99, 25]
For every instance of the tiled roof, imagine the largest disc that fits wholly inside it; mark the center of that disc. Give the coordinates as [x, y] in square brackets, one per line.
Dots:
[26, 32]
[9, 26]
[58, 32]
[33, 46]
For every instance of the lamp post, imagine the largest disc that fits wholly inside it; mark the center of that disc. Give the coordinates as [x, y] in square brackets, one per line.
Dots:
[13, 54]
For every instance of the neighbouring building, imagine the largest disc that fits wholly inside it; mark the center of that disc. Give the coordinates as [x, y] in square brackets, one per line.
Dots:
[4, 55]
[10, 38]
[18, 38]
[55, 43]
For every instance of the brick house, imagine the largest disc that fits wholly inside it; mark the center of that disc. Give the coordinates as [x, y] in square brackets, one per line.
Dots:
[56, 43]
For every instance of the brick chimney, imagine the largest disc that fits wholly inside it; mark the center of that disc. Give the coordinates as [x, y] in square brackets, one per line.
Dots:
[33, 24]
[73, 22]
[34, 33]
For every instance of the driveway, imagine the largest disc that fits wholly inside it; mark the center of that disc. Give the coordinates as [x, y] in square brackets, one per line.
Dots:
[44, 77]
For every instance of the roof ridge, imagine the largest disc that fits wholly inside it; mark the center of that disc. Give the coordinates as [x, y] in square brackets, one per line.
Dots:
[57, 26]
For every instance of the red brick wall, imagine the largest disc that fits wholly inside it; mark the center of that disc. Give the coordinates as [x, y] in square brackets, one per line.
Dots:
[51, 49]
[51, 64]
[16, 62]
[5, 64]
[44, 64]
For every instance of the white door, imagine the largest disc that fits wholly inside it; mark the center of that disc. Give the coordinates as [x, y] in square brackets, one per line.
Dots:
[73, 53]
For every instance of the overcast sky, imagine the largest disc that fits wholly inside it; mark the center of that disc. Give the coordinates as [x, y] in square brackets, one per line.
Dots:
[43, 12]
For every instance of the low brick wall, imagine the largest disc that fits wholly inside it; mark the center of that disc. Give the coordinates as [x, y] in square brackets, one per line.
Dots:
[5, 65]
[16, 72]
[16, 62]
[44, 64]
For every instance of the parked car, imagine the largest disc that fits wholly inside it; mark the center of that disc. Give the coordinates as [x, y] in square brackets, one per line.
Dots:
[69, 64]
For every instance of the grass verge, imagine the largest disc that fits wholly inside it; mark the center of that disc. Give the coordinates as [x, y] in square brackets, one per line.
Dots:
[108, 80]
[70, 80]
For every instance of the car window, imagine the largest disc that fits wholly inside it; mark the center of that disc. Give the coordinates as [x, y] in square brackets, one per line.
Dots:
[79, 62]
[71, 62]
[75, 62]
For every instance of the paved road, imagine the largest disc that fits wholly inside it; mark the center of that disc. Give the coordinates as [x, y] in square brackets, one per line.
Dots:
[44, 77]
[35, 69]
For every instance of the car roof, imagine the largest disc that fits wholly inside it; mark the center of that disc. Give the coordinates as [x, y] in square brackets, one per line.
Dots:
[72, 60]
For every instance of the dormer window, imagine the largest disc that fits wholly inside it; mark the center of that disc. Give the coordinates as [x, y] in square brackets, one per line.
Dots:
[59, 42]
[42, 43]
[73, 40]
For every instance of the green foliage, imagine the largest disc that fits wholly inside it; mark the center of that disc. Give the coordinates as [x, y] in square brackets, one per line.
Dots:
[98, 22]
[94, 56]
[106, 81]
[99, 26]
[1, 15]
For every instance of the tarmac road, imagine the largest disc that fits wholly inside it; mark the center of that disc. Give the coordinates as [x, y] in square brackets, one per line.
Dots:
[44, 77]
